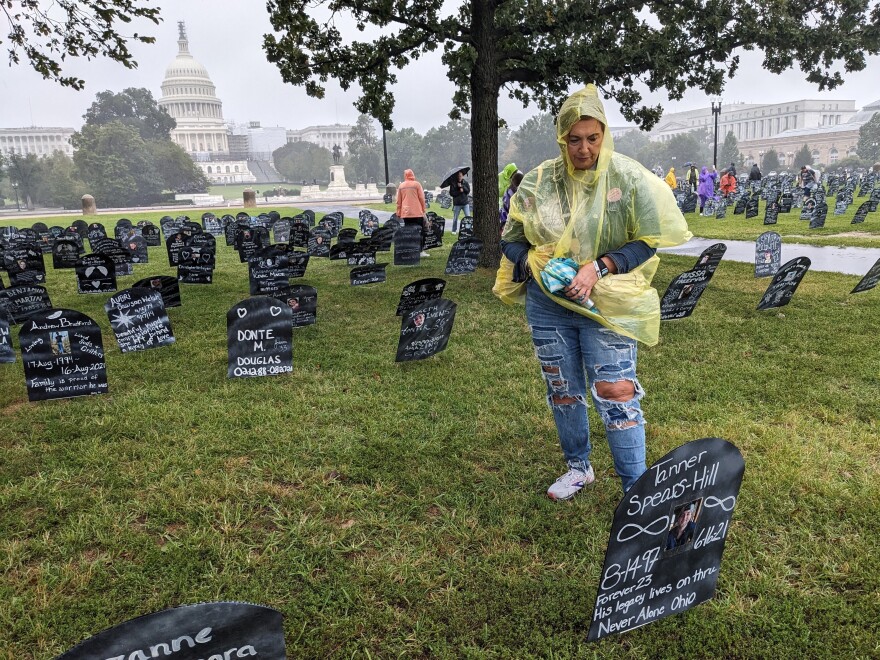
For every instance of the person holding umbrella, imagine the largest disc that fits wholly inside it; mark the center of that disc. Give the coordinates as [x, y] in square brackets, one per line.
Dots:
[459, 189]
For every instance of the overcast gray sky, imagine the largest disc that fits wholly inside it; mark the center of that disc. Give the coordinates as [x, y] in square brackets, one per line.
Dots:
[226, 37]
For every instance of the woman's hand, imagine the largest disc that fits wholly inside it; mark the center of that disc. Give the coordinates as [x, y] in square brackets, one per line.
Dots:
[583, 283]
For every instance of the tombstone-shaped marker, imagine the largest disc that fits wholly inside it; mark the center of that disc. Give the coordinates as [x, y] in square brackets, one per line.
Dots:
[24, 264]
[463, 256]
[861, 213]
[63, 355]
[217, 631]
[393, 223]
[95, 273]
[281, 231]
[382, 238]
[432, 228]
[466, 228]
[386, 198]
[362, 254]
[167, 287]
[683, 294]
[297, 262]
[425, 330]
[771, 213]
[407, 246]
[820, 212]
[96, 233]
[118, 254]
[249, 241]
[21, 302]
[259, 338]
[173, 246]
[71, 232]
[668, 536]
[211, 224]
[341, 251]
[768, 254]
[710, 257]
[299, 234]
[418, 292]
[721, 209]
[302, 300]
[319, 242]
[808, 208]
[347, 235]
[368, 222]
[138, 319]
[785, 202]
[151, 235]
[197, 259]
[869, 281]
[689, 203]
[740, 206]
[374, 274]
[752, 207]
[137, 248]
[7, 353]
[784, 284]
[269, 273]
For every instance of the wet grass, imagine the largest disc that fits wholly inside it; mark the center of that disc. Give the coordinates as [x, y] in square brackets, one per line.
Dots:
[398, 510]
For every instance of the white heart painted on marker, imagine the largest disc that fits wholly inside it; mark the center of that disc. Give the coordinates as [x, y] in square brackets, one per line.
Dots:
[242, 312]
[274, 311]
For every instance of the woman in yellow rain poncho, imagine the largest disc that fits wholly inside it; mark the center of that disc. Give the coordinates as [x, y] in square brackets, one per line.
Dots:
[670, 179]
[605, 215]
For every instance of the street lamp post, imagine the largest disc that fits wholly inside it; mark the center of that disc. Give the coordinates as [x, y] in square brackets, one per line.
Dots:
[716, 110]
[385, 152]
[17, 203]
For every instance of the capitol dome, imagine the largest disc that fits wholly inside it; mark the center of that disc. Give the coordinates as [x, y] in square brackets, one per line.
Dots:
[188, 95]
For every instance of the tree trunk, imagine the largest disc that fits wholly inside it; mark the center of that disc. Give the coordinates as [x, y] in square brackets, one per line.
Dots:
[484, 132]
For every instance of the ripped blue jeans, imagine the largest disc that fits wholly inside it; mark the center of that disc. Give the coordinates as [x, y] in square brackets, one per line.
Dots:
[572, 348]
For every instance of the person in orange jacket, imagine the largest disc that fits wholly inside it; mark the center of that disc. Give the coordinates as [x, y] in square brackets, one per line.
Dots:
[728, 183]
[411, 204]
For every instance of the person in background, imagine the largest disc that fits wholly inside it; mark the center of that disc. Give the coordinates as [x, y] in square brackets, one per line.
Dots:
[706, 188]
[732, 169]
[693, 177]
[606, 215]
[809, 179]
[728, 183]
[459, 189]
[755, 174]
[411, 204]
[670, 179]
[504, 178]
[505, 201]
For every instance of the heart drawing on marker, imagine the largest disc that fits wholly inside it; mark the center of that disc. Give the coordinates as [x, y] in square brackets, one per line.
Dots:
[242, 312]
[274, 311]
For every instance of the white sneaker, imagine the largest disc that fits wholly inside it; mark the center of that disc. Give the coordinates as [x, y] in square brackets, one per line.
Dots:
[425, 254]
[570, 483]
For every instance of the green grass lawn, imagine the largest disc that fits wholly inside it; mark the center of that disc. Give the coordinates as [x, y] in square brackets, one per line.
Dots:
[398, 510]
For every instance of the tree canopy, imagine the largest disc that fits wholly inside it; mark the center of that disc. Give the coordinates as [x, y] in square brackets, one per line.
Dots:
[133, 106]
[302, 161]
[869, 139]
[803, 156]
[47, 33]
[537, 49]
[770, 162]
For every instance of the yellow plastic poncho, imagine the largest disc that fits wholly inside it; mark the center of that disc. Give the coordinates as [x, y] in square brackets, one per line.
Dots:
[583, 214]
[670, 178]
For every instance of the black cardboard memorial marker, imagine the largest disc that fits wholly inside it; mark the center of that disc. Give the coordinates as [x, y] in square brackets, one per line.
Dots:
[297, 264]
[340, 251]
[418, 292]
[319, 242]
[710, 258]
[785, 282]
[44, 237]
[259, 338]
[708, 208]
[368, 222]
[874, 199]
[281, 231]
[191, 228]
[308, 217]
[24, 264]
[196, 266]
[667, 538]
[137, 249]
[7, 352]
[432, 229]
[771, 213]
[382, 238]
[249, 241]
[466, 227]
[869, 281]
[81, 227]
[374, 274]
[347, 235]
[166, 285]
[785, 202]
[95, 273]
[425, 330]
[393, 223]
[752, 207]
[21, 302]
[211, 224]
[139, 320]
[151, 235]
[808, 208]
[689, 203]
[331, 223]
[173, 246]
[683, 294]
[721, 209]
[208, 631]
[63, 355]
[840, 206]
[407, 246]
[269, 273]
[243, 217]
[96, 232]
[861, 213]
[123, 232]
[463, 256]
[166, 225]
[362, 254]
[230, 231]
[120, 256]
[302, 300]
[299, 234]
[820, 212]
[25, 235]
[768, 254]
[65, 252]
[71, 232]
[386, 198]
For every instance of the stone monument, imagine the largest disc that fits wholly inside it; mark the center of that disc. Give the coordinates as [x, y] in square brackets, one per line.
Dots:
[88, 205]
[250, 198]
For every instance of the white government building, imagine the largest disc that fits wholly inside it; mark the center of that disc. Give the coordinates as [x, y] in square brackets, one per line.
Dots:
[34, 140]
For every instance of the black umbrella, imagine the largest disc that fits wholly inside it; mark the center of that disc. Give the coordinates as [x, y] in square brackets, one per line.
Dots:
[447, 179]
